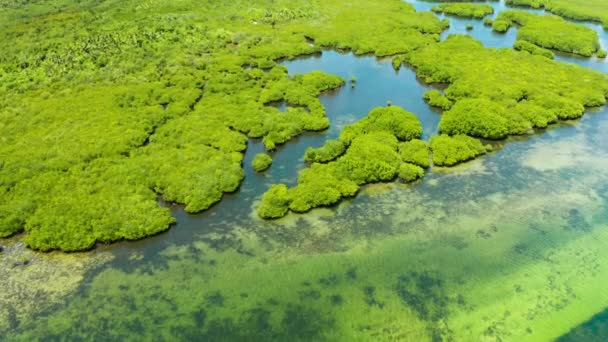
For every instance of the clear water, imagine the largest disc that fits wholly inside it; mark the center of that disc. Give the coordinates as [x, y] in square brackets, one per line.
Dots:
[509, 247]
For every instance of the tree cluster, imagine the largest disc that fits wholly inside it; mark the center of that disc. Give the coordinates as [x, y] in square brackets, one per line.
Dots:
[549, 32]
[104, 109]
[466, 9]
[376, 147]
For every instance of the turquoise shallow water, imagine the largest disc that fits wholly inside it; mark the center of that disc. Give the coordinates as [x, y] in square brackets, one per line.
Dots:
[509, 247]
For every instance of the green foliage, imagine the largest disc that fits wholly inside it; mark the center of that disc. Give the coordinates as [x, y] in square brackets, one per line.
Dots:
[470, 27]
[501, 25]
[371, 157]
[595, 10]
[436, 99]
[275, 202]
[403, 125]
[331, 150]
[452, 150]
[522, 45]
[320, 185]
[530, 3]
[398, 61]
[601, 53]
[261, 162]
[358, 26]
[415, 152]
[488, 21]
[184, 149]
[277, 15]
[512, 98]
[550, 32]
[373, 154]
[300, 91]
[410, 172]
[73, 210]
[121, 101]
[104, 106]
[467, 10]
[476, 117]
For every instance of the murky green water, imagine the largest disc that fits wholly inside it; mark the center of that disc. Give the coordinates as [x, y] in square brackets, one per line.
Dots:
[506, 248]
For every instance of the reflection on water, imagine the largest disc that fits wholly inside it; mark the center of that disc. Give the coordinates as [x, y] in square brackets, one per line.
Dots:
[508, 247]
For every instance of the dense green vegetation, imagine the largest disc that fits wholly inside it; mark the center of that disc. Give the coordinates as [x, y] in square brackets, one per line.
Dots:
[467, 10]
[499, 92]
[594, 10]
[331, 150]
[451, 150]
[522, 45]
[102, 201]
[410, 172]
[261, 162]
[275, 202]
[105, 106]
[359, 27]
[403, 125]
[415, 152]
[481, 118]
[300, 90]
[373, 154]
[549, 32]
[450, 1]
[436, 99]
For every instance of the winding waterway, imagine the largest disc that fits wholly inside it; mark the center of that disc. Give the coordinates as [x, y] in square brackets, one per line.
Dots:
[509, 247]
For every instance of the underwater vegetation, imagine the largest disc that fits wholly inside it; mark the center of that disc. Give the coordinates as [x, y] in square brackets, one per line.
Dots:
[469, 261]
[592, 330]
[364, 291]
[33, 282]
[550, 32]
[510, 248]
